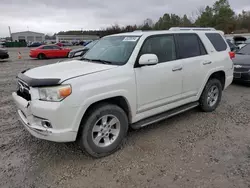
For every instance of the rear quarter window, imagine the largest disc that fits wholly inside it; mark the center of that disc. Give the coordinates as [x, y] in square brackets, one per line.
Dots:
[217, 41]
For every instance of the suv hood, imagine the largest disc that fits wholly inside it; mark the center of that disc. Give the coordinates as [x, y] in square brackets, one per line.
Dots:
[66, 70]
[241, 59]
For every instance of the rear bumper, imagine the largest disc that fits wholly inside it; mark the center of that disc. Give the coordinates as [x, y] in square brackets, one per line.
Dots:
[33, 123]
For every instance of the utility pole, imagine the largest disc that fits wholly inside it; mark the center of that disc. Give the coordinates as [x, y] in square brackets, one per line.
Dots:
[10, 34]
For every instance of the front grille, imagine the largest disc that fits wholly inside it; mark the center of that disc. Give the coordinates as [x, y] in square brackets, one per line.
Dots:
[23, 90]
[241, 69]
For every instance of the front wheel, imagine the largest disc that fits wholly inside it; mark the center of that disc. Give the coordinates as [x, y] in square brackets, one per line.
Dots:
[211, 95]
[103, 130]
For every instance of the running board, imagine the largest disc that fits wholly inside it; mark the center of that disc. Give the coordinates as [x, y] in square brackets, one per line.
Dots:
[164, 115]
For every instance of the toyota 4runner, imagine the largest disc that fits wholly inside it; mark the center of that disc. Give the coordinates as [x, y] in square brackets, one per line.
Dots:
[126, 80]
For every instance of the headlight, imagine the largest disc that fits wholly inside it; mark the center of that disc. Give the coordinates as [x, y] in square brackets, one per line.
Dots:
[55, 94]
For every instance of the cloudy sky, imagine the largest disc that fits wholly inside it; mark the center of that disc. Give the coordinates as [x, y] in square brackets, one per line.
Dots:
[50, 16]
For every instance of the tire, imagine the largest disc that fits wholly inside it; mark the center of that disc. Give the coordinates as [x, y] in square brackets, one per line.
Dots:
[41, 56]
[88, 139]
[207, 103]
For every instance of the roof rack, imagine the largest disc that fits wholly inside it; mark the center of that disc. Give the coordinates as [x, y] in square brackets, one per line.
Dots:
[192, 28]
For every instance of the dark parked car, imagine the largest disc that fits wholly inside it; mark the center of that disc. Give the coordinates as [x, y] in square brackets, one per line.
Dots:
[4, 54]
[239, 40]
[81, 51]
[35, 44]
[86, 43]
[242, 65]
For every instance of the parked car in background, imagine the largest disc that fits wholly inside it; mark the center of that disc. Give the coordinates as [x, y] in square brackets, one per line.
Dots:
[243, 44]
[61, 44]
[35, 44]
[125, 80]
[85, 43]
[4, 54]
[2, 44]
[49, 51]
[67, 43]
[239, 40]
[232, 46]
[81, 51]
[242, 65]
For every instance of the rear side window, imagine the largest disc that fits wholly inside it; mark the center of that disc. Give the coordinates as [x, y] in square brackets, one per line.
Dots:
[189, 45]
[217, 41]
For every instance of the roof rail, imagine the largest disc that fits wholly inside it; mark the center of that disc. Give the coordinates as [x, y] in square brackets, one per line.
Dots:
[192, 28]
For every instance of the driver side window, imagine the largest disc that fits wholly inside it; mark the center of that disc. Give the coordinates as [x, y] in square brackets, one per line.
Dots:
[163, 46]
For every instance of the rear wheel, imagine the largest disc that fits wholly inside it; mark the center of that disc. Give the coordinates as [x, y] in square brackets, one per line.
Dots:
[103, 130]
[41, 56]
[211, 95]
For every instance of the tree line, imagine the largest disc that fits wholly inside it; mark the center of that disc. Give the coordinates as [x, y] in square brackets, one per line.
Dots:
[219, 16]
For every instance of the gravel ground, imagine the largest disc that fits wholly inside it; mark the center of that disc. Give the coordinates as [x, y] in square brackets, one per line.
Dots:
[193, 149]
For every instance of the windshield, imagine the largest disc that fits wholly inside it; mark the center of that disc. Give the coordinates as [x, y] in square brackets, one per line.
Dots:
[245, 50]
[112, 50]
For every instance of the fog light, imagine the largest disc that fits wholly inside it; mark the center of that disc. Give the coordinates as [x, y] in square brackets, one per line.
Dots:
[46, 124]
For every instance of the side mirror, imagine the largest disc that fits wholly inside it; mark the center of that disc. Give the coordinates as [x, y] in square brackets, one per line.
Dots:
[148, 59]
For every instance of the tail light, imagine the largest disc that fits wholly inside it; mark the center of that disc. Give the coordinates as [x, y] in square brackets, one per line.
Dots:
[231, 55]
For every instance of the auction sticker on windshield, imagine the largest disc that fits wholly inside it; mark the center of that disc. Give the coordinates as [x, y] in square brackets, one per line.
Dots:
[131, 39]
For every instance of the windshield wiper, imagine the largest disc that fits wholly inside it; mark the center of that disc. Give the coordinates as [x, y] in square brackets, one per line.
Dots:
[102, 61]
[86, 59]
[240, 53]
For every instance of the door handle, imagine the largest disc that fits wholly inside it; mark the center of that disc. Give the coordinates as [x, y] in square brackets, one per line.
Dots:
[207, 62]
[176, 69]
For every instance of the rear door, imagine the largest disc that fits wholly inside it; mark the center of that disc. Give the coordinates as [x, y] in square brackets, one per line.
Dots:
[195, 61]
[47, 51]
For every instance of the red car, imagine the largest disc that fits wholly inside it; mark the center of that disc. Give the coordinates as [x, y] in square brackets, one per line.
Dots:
[49, 51]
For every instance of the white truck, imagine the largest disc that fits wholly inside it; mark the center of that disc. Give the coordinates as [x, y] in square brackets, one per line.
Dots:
[126, 80]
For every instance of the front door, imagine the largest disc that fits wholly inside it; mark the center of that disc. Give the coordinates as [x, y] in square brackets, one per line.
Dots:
[57, 51]
[161, 84]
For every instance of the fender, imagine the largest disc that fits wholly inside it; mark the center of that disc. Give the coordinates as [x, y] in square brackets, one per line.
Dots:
[210, 72]
[97, 98]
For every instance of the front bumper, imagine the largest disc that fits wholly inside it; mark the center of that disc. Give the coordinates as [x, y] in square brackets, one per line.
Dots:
[32, 56]
[242, 77]
[4, 56]
[33, 124]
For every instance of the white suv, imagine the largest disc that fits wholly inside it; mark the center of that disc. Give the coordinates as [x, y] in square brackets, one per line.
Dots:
[126, 80]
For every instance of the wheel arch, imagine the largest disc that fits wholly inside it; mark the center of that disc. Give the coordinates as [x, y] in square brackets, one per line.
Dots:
[41, 53]
[218, 74]
[221, 76]
[120, 101]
